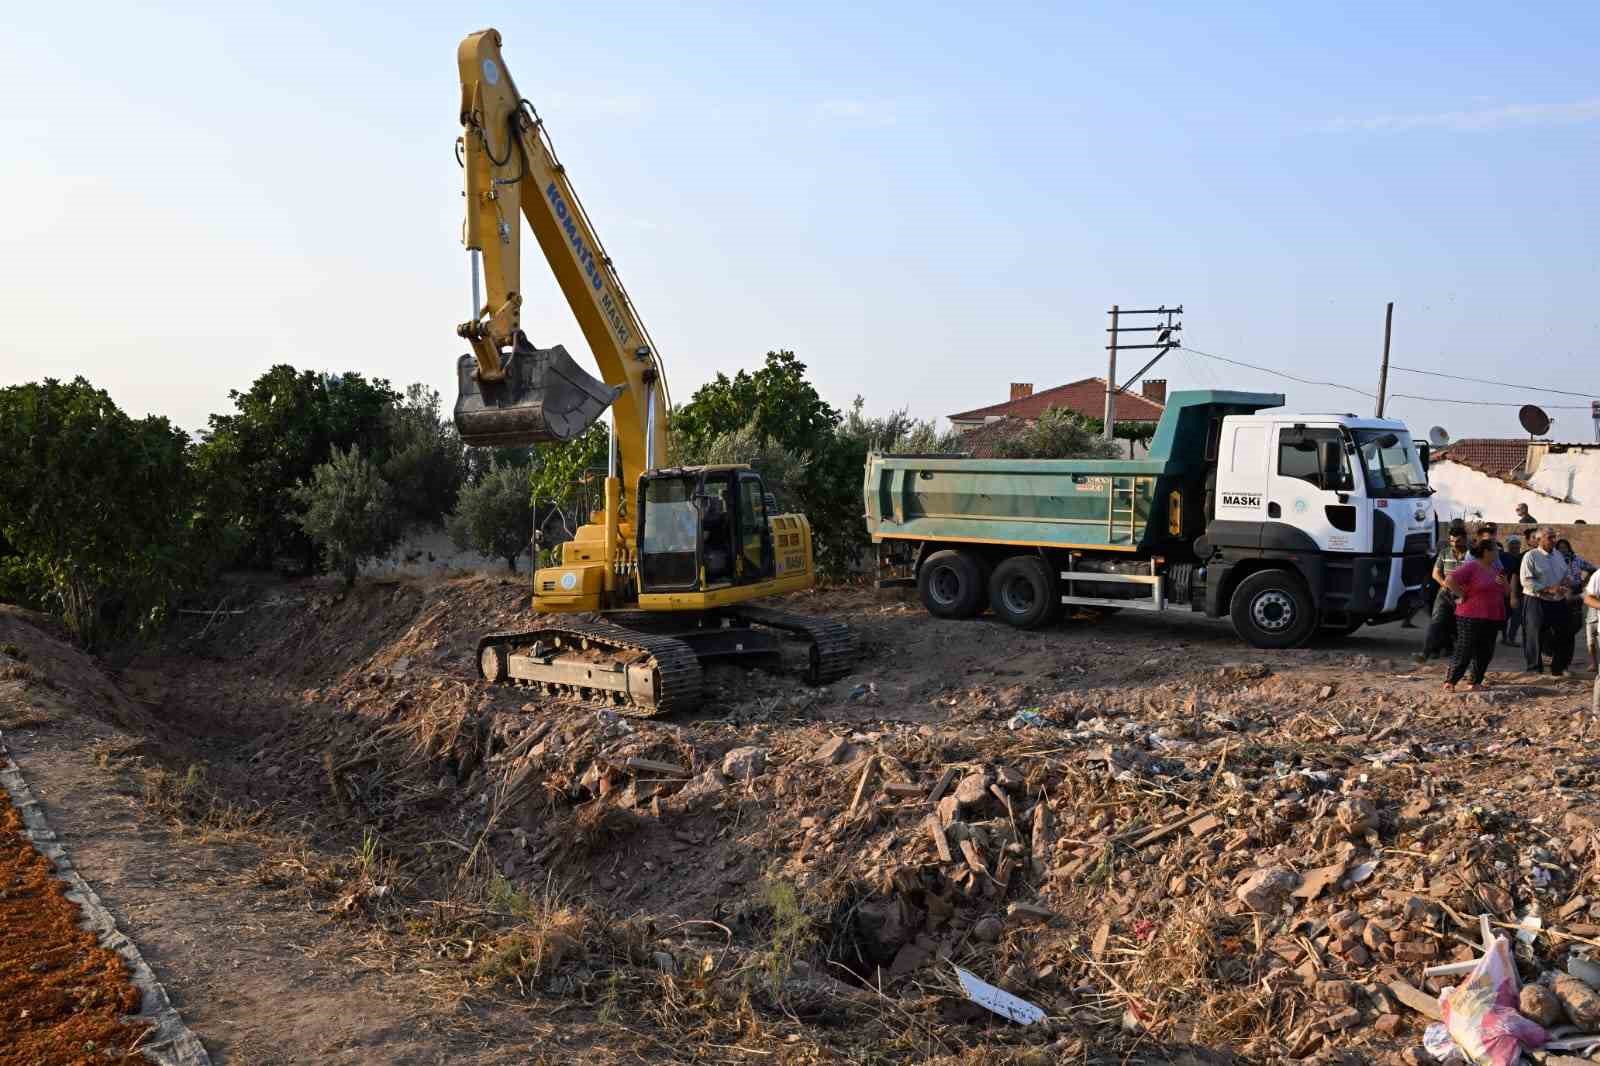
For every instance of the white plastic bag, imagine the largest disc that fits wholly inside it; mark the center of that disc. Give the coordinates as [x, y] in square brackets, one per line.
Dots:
[1480, 1014]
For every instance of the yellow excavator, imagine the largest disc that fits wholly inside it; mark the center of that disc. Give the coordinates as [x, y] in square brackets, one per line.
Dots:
[662, 579]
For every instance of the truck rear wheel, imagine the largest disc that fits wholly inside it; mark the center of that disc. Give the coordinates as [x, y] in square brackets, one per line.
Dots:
[1023, 592]
[1273, 609]
[951, 584]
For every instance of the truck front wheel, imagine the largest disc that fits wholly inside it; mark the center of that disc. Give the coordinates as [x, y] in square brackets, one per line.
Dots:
[1273, 609]
[951, 585]
[1022, 592]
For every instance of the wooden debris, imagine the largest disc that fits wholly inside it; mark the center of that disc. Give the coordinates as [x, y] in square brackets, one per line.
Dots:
[1165, 831]
[861, 786]
[945, 781]
[941, 843]
[1416, 999]
[653, 766]
[903, 788]
[974, 857]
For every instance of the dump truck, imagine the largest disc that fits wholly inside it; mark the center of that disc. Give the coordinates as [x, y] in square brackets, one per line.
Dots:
[1290, 525]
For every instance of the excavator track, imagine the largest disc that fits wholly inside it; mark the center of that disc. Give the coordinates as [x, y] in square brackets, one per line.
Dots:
[673, 666]
[833, 646]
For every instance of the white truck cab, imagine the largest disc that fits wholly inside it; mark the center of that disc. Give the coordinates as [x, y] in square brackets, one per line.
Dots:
[1344, 500]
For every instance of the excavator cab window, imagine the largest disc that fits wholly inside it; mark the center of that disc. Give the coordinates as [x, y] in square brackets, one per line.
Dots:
[669, 534]
[717, 519]
[755, 536]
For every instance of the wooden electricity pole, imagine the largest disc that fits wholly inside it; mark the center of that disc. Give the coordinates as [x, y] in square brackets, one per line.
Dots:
[1383, 371]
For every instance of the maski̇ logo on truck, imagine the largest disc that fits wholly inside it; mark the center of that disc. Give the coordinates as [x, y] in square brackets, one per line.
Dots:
[591, 266]
[1241, 499]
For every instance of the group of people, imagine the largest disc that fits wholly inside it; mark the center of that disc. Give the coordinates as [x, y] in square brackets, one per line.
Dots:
[1489, 594]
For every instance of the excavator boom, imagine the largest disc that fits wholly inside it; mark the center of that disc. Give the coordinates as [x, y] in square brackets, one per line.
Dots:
[513, 393]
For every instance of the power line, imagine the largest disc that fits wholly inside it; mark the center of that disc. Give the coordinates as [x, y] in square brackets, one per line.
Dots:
[1488, 403]
[1279, 373]
[1487, 381]
[1398, 395]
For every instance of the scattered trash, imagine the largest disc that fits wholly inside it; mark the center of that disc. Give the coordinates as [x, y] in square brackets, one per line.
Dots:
[1481, 1016]
[1028, 718]
[998, 1000]
[613, 724]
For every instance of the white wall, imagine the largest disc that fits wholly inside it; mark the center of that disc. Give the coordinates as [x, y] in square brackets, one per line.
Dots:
[1570, 475]
[1463, 492]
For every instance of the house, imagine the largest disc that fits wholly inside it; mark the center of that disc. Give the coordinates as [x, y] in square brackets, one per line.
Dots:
[1086, 397]
[1485, 478]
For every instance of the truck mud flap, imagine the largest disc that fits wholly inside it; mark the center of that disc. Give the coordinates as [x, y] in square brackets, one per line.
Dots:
[545, 397]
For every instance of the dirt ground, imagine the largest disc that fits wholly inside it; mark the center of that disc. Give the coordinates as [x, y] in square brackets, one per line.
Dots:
[334, 845]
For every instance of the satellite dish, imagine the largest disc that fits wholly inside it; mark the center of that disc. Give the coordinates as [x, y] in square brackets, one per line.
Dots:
[1534, 420]
[1438, 437]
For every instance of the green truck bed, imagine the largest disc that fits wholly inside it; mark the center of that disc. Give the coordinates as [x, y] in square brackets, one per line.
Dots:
[1108, 504]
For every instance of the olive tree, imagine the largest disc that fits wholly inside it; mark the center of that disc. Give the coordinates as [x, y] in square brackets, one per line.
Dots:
[348, 511]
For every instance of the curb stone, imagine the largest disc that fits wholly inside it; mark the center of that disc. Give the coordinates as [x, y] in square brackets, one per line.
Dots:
[171, 1043]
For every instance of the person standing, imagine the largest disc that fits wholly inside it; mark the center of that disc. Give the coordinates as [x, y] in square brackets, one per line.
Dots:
[1440, 636]
[1523, 517]
[1479, 588]
[1511, 562]
[1591, 600]
[1545, 589]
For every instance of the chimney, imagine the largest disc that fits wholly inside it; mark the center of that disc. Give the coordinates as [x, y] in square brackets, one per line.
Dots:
[1021, 390]
[1154, 389]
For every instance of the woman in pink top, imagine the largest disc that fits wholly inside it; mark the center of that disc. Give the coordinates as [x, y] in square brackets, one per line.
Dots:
[1479, 586]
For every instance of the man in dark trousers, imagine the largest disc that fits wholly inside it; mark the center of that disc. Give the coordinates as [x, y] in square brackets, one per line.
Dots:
[1546, 590]
[1440, 638]
[1511, 563]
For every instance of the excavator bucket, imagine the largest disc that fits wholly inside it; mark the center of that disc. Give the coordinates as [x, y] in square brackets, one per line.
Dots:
[545, 397]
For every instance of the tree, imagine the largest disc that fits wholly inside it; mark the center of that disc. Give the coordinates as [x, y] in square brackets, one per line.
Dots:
[283, 427]
[1059, 433]
[425, 463]
[494, 516]
[349, 511]
[97, 508]
[777, 400]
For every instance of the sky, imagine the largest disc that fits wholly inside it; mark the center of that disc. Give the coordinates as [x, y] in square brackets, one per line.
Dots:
[925, 201]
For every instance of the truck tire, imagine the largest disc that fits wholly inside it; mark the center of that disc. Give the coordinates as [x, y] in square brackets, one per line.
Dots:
[1273, 609]
[951, 584]
[1022, 592]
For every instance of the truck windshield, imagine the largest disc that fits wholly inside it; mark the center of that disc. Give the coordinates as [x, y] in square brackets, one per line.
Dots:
[1391, 462]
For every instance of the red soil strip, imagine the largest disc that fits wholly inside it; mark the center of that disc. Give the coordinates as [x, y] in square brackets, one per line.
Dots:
[62, 996]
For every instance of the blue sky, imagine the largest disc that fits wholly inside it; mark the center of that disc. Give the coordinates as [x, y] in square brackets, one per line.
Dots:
[925, 201]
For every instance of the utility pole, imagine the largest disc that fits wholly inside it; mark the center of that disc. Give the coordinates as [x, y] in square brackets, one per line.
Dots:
[1383, 371]
[1166, 340]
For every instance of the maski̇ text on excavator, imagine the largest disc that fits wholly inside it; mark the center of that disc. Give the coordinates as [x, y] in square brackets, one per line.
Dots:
[664, 577]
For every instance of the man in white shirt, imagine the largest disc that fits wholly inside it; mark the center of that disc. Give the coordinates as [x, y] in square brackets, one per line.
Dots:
[1546, 586]
[1591, 599]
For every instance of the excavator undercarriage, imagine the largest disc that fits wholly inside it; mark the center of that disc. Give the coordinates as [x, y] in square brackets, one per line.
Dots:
[649, 665]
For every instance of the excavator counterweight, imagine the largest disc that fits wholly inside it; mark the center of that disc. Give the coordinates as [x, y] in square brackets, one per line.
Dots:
[544, 397]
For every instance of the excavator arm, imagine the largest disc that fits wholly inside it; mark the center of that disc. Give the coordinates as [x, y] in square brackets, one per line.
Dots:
[511, 392]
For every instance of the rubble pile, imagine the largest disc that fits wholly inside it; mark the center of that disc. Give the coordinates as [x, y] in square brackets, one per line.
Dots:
[1235, 856]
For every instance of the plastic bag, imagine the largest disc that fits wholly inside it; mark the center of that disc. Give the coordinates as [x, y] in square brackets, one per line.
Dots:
[1481, 1016]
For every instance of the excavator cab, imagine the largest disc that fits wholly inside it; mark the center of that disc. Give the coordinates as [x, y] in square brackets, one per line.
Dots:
[544, 396]
[703, 528]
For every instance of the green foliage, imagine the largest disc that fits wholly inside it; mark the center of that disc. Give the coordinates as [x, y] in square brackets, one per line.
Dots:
[425, 463]
[777, 400]
[283, 427]
[95, 507]
[897, 433]
[1058, 434]
[348, 511]
[562, 471]
[495, 515]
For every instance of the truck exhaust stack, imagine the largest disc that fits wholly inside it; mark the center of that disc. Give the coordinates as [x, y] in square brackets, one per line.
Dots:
[545, 397]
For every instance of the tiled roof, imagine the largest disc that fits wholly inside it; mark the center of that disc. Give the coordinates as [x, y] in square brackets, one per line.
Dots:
[983, 440]
[1497, 456]
[1086, 397]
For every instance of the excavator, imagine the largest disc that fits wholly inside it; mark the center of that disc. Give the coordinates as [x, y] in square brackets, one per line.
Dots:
[663, 578]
